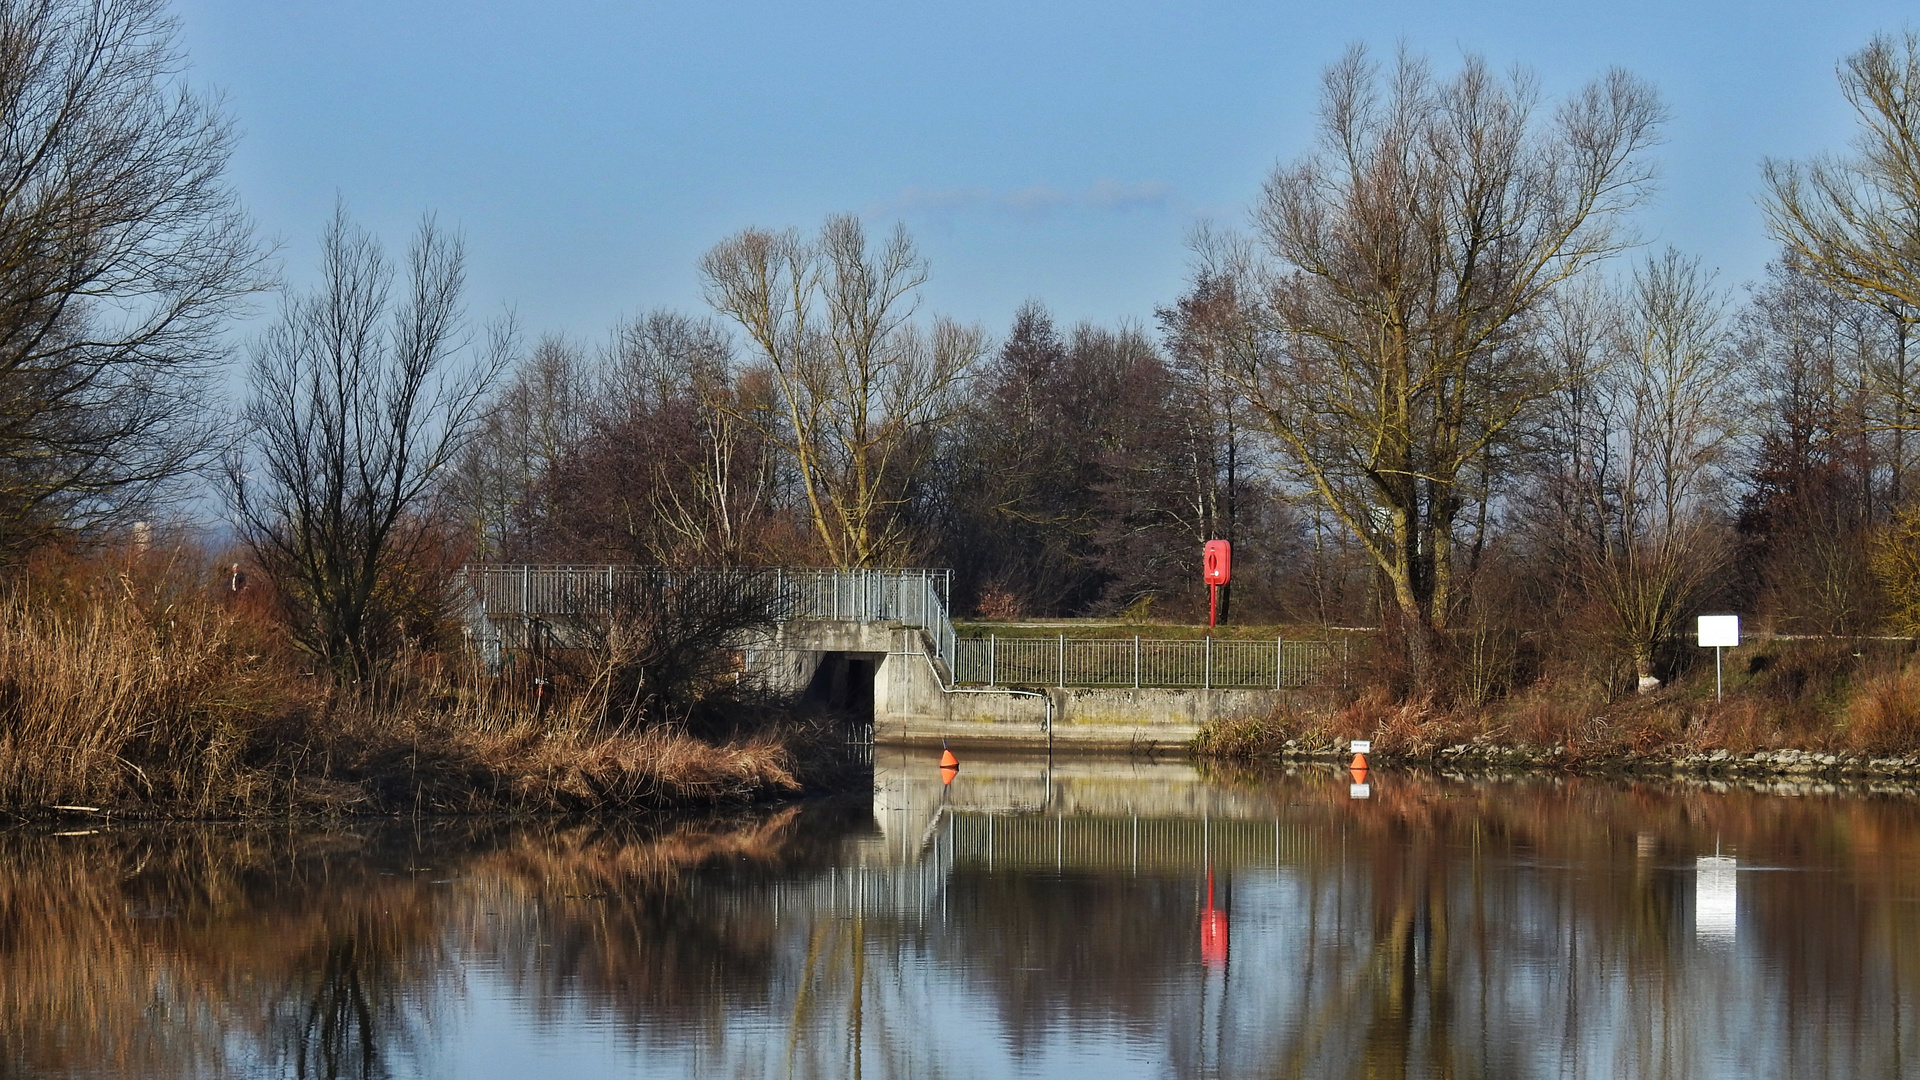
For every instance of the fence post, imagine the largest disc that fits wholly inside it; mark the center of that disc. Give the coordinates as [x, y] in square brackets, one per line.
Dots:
[1279, 662]
[1062, 658]
[1136, 661]
[1206, 678]
[993, 645]
[526, 582]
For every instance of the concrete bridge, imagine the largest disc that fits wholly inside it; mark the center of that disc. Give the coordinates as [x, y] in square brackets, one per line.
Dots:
[880, 644]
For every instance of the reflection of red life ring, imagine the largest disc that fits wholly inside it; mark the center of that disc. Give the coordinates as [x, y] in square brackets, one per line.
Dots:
[1213, 931]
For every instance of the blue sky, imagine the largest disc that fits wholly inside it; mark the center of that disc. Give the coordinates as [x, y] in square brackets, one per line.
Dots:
[590, 152]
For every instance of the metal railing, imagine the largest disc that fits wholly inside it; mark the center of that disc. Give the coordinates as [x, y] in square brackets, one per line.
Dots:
[523, 593]
[1206, 663]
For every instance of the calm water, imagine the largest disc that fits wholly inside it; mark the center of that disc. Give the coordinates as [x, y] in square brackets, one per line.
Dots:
[1088, 919]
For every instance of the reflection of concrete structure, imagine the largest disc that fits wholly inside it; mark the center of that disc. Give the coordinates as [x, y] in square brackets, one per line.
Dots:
[1036, 814]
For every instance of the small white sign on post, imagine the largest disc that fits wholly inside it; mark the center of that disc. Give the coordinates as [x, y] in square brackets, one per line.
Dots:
[1361, 746]
[1719, 632]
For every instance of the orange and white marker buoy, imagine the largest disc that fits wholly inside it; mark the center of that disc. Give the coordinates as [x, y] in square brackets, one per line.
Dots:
[948, 761]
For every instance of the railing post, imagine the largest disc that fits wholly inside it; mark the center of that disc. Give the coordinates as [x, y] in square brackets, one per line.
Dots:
[1062, 658]
[992, 644]
[526, 582]
[1279, 662]
[1136, 661]
[1206, 678]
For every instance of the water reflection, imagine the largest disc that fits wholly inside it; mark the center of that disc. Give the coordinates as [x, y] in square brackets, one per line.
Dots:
[1104, 919]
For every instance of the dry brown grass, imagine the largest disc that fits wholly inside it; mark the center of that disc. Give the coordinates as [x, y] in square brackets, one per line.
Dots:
[108, 703]
[1884, 718]
[1811, 695]
[125, 689]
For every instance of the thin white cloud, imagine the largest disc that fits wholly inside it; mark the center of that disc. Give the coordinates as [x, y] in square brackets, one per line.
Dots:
[1105, 196]
[1110, 194]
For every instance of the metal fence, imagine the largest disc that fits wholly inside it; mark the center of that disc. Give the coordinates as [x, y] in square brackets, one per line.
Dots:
[1207, 663]
[503, 595]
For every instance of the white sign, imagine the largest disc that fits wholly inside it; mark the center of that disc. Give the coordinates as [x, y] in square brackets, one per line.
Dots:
[1719, 631]
[1362, 746]
[1359, 791]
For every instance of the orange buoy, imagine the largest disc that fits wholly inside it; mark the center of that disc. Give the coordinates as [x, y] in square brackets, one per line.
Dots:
[1359, 774]
[948, 761]
[1359, 763]
[947, 773]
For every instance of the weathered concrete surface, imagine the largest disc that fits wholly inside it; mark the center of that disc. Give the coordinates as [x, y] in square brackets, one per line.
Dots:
[912, 704]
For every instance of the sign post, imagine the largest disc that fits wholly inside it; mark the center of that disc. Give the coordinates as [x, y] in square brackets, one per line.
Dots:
[1216, 563]
[1719, 632]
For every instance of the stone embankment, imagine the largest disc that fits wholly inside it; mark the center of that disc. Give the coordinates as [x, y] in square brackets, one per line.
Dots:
[1791, 769]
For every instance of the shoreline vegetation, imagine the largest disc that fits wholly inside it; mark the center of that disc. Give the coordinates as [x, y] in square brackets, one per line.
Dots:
[129, 690]
[1833, 709]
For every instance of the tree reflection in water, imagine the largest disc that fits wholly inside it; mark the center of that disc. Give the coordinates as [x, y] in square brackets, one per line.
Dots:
[1441, 928]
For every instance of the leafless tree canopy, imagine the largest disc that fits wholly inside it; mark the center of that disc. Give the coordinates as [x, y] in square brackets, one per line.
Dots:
[1412, 395]
[1413, 253]
[1855, 221]
[1634, 499]
[122, 250]
[861, 386]
[359, 399]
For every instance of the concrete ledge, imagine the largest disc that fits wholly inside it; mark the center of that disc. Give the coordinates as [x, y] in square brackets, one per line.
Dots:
[1157, 708]
[961, 734]
[1087, 719]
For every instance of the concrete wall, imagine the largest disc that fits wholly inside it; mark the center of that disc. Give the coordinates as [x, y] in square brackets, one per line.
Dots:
[911, 704]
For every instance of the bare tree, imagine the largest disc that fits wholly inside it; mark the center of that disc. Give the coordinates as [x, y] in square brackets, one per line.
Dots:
[1206, 330]
[122, 250]
[860, 385]
[358, 400]
[709, 495]
[1855, 221]
[669, 643]
[500, 481]
[1666, 410]
[1415, 251]
[1823, 466]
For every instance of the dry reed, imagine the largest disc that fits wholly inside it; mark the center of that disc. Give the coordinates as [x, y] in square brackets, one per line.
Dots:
[192, 708]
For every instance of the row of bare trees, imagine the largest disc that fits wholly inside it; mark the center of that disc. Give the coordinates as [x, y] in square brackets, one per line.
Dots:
[1413, 392]
[1426, 385]
[1422, 388]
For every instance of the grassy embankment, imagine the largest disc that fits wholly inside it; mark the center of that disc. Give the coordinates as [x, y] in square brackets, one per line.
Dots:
[138, 695]
[1855, 699]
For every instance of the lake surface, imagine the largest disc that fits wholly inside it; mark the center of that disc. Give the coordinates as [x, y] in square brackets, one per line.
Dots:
[1083, 918]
